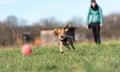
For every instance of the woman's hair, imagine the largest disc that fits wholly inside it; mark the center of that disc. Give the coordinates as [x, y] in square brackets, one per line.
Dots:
[96, 6]
[93, 1]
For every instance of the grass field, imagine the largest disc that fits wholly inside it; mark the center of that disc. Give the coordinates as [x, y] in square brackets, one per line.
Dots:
[86, 58]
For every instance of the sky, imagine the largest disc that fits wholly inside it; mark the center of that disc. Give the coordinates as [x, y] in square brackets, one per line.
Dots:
[61, 10]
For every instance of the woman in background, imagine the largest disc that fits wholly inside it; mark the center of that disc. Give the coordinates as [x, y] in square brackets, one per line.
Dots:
[95, 20]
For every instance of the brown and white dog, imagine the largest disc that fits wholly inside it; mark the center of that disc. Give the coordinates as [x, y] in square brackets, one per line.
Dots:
[64, 38]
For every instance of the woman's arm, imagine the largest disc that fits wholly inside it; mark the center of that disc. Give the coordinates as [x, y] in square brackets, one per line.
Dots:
[101, 15]
[87, 20]
[88, 16]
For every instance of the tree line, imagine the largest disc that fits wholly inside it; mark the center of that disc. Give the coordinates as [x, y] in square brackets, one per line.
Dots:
[12, 27]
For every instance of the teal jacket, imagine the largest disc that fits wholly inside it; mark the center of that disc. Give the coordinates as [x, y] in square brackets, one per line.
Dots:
[95, 16]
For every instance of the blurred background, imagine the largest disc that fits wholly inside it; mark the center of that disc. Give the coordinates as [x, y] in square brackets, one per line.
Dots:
[34, 20]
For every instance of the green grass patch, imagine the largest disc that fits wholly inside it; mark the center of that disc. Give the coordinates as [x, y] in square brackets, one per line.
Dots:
[86, 58]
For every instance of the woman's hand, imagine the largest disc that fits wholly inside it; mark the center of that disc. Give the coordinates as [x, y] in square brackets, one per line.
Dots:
[101, 25]
[86, 27]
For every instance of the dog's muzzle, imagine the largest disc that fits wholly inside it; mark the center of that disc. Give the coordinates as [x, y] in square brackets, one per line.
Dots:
[62, 38]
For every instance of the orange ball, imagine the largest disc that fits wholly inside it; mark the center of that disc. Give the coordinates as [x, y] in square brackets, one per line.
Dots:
[26, 49]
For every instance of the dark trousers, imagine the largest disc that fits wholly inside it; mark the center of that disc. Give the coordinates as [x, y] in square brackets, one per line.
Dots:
[95, 27]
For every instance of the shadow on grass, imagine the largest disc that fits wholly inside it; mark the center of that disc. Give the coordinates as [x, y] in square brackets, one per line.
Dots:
[51, 67]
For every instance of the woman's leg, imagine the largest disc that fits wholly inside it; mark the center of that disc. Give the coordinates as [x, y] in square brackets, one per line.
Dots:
[96, 33]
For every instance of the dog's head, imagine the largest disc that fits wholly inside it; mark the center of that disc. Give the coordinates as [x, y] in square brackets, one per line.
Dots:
[62, 31]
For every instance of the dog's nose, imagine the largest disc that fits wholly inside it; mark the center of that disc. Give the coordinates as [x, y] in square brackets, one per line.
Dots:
[62, 36]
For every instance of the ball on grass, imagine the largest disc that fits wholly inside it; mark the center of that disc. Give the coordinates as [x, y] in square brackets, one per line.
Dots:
[26, 49]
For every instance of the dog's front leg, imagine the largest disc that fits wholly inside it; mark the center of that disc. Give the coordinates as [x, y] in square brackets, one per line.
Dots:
[61, 47]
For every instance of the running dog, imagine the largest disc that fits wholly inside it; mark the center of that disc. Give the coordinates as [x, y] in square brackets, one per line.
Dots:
[64, 38]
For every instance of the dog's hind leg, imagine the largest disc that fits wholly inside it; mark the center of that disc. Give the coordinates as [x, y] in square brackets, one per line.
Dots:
[73, 46]
[71, 43]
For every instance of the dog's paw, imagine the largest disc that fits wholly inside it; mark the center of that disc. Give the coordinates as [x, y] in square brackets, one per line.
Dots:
[61, 52]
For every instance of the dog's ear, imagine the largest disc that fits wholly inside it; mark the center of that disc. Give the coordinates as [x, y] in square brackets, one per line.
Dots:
[55, 31]
[66, 27]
